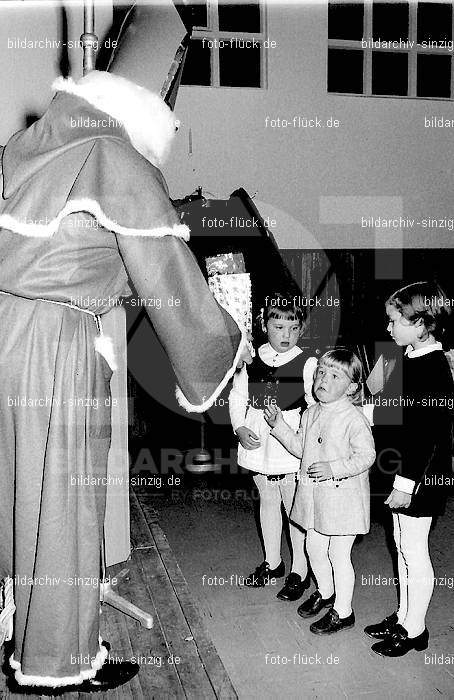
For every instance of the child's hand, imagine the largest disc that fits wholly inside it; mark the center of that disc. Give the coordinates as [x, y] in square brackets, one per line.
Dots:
[398, 499]
[273, 415]
[320, 471]
[247, 437]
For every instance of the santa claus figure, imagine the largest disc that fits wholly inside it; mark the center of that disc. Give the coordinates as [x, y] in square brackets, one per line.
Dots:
[84, 207]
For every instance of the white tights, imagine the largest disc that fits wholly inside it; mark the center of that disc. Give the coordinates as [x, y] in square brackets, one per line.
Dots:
[416, 575]
[330, 559]
[272, 493]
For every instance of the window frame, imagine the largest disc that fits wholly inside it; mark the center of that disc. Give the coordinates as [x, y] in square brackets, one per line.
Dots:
[212, 31]
[412, 53]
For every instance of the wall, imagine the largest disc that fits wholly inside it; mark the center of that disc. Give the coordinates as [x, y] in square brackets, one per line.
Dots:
[27, 73]
[381, 151]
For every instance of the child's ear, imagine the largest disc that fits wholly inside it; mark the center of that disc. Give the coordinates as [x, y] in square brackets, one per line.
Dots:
[302, 329]
[421, 327]
[352, 388]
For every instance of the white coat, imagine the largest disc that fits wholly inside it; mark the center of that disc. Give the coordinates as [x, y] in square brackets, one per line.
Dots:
[340, 434]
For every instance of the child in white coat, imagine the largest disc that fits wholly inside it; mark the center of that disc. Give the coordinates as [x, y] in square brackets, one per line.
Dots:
[332, 500]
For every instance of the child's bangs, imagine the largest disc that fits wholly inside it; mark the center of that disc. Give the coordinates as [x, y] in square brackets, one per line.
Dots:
[345, 360]
[283, 314]
[329, 362]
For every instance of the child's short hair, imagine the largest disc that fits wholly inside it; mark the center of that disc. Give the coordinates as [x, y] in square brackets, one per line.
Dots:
[346, 360]
[282, 306]
[426, 301]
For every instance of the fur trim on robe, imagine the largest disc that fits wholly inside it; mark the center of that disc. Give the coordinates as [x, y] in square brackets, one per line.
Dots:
[60, 681]
[148, 121]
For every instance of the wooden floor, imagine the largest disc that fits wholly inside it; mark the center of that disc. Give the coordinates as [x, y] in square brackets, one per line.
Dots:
[267, 649]
[177, 658]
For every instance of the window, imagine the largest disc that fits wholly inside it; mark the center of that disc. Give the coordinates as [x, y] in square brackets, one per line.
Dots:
[391, 48]
[226, 49]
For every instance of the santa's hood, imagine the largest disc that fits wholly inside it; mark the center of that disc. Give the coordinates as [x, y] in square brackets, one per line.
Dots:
[88, 153]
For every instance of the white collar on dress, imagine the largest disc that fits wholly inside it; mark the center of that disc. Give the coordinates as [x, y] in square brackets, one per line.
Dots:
[423, 351]
[270, 357]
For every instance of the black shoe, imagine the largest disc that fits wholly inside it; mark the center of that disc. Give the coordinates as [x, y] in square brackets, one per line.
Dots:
[110, 675]
[331, 623]
[263, 574]
[314, 604]
[383, 629]
[399, 643]
[294, 587]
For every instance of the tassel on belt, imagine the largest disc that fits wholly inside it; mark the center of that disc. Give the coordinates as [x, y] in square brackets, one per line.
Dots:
[103, 344]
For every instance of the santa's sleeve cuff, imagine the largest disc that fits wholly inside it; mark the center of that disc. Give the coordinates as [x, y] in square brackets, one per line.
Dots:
[207, 403]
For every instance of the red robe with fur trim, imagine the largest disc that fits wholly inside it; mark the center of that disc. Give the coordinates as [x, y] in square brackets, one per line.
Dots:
[72, 194]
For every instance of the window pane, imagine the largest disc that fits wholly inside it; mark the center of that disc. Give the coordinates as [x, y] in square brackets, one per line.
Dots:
[239, 67]
[198, 13]
[434, 22]
[244, 17]
[389, 73]
[197, 66]
[434, 76]
[390, 21]
[345, 71]
[345, 20]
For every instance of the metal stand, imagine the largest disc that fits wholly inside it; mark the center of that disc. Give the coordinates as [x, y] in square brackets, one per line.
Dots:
[202, 461]
[89, 39]
[109, 596]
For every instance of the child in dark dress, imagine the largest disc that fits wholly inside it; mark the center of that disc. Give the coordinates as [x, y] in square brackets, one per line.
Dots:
[416, 407]
[281, 373]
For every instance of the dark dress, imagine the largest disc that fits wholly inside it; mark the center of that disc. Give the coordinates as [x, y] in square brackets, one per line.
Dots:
[280, 385]
[283, 386]
[413, 425]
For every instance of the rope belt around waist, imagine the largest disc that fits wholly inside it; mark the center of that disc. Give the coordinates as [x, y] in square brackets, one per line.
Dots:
[96, 317]
[103, 344]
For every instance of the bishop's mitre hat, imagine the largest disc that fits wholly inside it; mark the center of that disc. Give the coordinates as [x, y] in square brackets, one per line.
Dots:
[152, 45]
